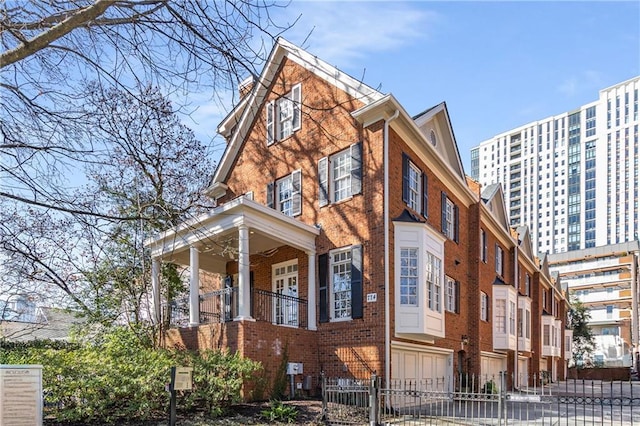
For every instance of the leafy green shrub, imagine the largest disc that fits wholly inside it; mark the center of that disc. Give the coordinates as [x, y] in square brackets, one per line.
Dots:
[490, 387]
[120, 376]
[279, 412]
[217, 379]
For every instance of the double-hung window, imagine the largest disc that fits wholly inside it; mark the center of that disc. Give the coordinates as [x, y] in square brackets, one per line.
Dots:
[283, 115]
[285, 194]
[434, 285]
[449, 218]
[483, 245]
[500, 316]
[499, 260]
[409, 276]
[340, 284]
[484, 306]
[452, 295]
[414, 186]
[340, 175]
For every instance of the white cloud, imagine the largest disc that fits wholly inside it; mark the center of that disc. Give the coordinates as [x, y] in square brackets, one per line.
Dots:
[342, 32]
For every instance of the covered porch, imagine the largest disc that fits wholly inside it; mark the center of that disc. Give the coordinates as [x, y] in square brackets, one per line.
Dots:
[266, 261]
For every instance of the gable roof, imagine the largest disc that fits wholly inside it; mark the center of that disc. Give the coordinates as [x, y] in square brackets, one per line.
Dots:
[236, 126]
[493, 198]
[524, 238]
[51, 324]
[448, 151]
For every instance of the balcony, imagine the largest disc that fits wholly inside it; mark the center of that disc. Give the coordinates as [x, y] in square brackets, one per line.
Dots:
[221, 306]
[596, 280]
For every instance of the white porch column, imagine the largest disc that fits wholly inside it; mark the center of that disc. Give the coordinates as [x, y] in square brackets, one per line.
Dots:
[244, 274]
[311, 297]
[155, 291]
[194, 287]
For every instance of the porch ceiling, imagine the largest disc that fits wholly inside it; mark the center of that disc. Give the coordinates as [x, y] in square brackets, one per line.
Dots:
[215, 234]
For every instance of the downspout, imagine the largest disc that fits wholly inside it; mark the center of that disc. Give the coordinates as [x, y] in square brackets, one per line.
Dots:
[516, 283]
[387, 319]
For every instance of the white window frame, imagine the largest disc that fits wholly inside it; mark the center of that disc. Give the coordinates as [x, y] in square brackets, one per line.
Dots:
[284, 115]
[433, 266]
[484, 306]
[450, 294]
[285, 312]
[512, 318]
[415, 188]
[340, 266]
[500, 316]
[450, 217]
[340, 176]
[409, 276]
[499, 260]
[483, 245]
[286, 194]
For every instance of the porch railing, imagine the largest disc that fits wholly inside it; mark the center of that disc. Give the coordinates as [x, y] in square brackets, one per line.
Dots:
[280, 309]
[222, 306]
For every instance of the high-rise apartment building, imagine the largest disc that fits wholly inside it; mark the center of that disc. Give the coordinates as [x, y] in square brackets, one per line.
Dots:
[572, 178]
[607, 281]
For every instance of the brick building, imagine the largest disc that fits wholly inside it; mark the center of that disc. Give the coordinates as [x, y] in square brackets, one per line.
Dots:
[348, 237]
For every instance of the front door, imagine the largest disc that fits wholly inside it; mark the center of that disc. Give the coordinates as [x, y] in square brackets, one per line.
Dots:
[285, 289]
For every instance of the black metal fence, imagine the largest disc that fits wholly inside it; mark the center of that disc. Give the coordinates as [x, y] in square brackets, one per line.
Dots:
[474, 400]
[222, 306]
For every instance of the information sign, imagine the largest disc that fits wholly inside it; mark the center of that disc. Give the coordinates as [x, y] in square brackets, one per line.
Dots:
[21, 395]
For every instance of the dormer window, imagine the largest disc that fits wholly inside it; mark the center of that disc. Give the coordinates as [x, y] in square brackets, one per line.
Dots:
[283, 115]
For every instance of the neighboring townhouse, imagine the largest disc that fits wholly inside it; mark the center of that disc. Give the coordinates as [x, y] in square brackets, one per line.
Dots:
[347, 238]
[550, 307]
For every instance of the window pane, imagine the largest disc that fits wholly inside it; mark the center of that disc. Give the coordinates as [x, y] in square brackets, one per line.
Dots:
[341, 174]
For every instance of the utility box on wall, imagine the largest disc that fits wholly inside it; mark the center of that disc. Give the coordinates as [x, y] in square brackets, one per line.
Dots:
[294, 368]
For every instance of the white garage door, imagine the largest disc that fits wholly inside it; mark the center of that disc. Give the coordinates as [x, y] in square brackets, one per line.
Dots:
[429, 370]
[523, 372]
[491, 366]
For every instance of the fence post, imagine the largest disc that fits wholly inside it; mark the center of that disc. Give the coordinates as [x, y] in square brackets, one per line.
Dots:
[323, 381]
[373, 400]
[502, 406]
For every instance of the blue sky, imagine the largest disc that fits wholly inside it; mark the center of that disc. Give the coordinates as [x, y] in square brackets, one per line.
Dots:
[498, 65]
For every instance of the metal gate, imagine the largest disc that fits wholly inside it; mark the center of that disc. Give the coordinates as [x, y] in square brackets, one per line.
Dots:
[481, 400]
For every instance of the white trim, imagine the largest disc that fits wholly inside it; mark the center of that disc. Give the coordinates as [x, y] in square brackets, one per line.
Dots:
[228, 216]
[250, 109]
[395, 344]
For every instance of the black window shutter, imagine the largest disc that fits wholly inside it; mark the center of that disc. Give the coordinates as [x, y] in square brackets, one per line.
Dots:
[405, 178]
[356, 168]
[323, 182]
[356, 282]
[323, 265]
[456, 224]
[270, 195]
[444, 213]
[456, 289]
[425, 196]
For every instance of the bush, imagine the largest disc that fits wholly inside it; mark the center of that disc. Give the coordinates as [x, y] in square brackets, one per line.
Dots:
[279, 412]
[217, 379]
[121, 376]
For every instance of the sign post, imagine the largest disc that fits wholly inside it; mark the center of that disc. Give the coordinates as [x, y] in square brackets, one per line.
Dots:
[181, 379]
